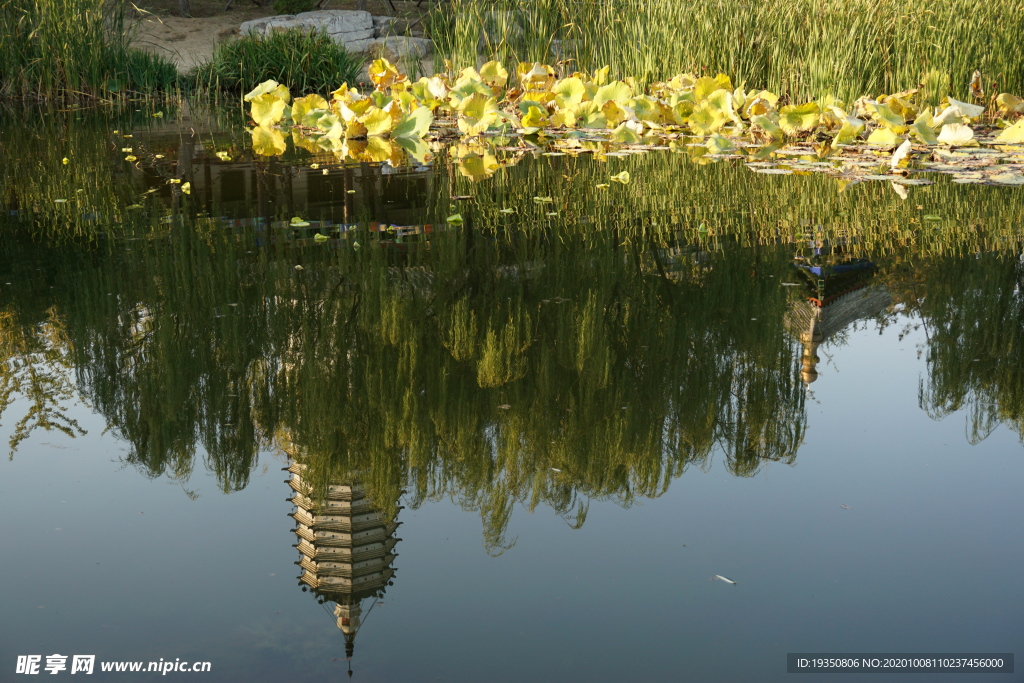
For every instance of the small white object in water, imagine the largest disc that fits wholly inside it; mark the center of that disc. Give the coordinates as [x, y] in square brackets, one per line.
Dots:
[722, 578]
[555, 469]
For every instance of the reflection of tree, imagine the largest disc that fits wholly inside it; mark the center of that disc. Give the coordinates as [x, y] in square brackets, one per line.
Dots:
[35, 363]
[974, 316]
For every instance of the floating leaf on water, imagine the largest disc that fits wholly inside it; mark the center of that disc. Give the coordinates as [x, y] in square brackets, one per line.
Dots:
[932, 217]
[552, 213]
[134, 206]
[59, 201]
[66, 162]
[542, 200]
[130, 157]
[797, 120]
[186, 188]
[900, 154]
[455, 219]
[718, 144]
[603, 186]
[884, 137]
[1013, 135]
[622, 178]
[506, 210]
[299, 268]
[1008, 179]
[223, 156]
[320, 238]
[722, 578]
[350, 191]
[555, 469]
[774, 171]
[174, 181]
[158, 156]
[954, 134]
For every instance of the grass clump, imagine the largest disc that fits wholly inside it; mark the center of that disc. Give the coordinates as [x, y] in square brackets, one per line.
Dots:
[304, 61]
[74, 49]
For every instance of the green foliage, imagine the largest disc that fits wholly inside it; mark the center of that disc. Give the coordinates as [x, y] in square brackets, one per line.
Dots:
[306, 62]
[802, 48]
[74, 49]
[293, 6]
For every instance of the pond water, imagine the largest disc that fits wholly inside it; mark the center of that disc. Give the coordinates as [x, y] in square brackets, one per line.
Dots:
[537, 433]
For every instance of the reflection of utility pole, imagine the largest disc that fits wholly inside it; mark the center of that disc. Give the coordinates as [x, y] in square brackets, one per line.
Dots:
[810, 338]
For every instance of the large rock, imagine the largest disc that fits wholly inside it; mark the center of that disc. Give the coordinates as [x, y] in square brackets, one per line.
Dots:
[350, 28]
[397, 49]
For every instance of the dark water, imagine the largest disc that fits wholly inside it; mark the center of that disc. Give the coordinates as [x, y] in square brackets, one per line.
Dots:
[577, 419]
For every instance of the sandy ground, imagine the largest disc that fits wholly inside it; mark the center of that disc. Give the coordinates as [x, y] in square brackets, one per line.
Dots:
[188, 41]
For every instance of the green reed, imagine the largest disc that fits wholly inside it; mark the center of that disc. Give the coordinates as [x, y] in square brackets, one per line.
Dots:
[74, 49]
[803, 48]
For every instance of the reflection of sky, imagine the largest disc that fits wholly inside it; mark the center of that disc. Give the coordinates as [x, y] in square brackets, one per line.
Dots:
[927, 560]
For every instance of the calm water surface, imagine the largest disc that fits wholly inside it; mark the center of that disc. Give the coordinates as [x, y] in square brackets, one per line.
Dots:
[575, 420]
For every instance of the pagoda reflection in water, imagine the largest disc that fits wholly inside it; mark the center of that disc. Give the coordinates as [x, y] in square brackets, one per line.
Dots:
[838, 292]
[347, 547]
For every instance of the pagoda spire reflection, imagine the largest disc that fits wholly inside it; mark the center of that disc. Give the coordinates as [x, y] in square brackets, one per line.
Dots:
[837, 291]
[346, 547]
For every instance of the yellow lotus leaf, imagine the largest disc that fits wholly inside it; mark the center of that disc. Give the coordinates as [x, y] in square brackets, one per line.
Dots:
[705, 86]
[563, 118]
[466, 87]
[416, 124]
[767, 125]
[1014, 135]
[299, 140]
[540, 97]
[477, 113]
[268, 142]
[601, 76]
[718, 144]
[724, 81]
[338, 130]
[384, 74]
[377, 150]
[271, 88]
[267, 110]
[431, 92]
[884, 115]
[955, 134]
[922, 131]
[589, 115]
[645, 108]
[848, 132]
[478, 164]
[902, 108]
[722, 100]
[494, 74]
[377, 122]
[569, 92]
[759, 106]
[799, 119]
[884, 137]
[1008, 104]
[706, 119]
[739, 99]
[614, 113]
[535, 118]
[617, 92]
[344, 93]
[355, 129]
[624, 134]
[406, 101]
[415, 148]
[302, 105]
[971, 111]
[536, 76]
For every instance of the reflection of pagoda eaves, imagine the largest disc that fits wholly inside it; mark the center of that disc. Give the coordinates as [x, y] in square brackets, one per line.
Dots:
[815, 325]
[346, 545]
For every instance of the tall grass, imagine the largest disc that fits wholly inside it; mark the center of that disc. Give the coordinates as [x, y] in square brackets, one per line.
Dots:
[74, 49]
[304, 61]
[804, 48]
